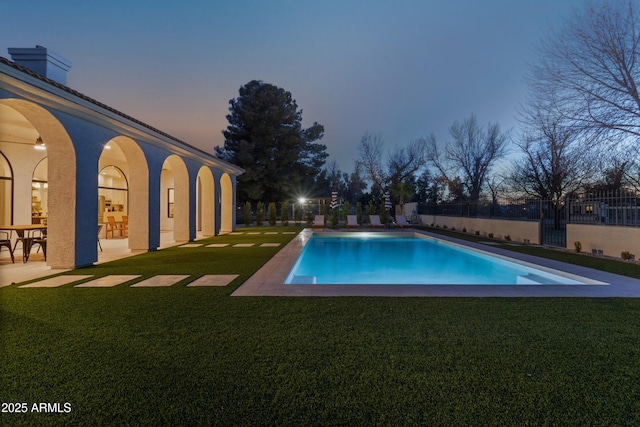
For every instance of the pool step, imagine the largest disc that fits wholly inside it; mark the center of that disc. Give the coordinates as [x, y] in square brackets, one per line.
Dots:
[535, 279]
[303, 280]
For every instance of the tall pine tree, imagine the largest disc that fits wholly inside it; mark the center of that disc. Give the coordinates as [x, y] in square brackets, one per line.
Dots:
[265, 137]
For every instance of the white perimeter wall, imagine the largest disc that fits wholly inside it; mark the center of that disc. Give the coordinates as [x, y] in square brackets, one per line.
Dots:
[611, 240]
[519, 231]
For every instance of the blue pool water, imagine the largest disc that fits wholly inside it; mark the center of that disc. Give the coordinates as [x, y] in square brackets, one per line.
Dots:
[373, 258]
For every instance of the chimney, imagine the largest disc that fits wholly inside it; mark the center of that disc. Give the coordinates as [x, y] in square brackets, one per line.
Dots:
[41, 61]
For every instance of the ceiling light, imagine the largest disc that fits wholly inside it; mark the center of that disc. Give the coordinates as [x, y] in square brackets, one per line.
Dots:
[40, 144]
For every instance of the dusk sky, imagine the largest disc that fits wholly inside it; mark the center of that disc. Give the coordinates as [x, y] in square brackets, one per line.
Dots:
[403, 69]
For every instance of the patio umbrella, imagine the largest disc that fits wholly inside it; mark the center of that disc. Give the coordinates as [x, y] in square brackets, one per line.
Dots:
[387, 201]
[334, 200]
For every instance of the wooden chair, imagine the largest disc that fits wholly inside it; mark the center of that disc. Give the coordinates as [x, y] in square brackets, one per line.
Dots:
[112, 226]
[125, 225]
[5, 240]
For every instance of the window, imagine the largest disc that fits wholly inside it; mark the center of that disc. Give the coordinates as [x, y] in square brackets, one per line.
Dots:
[170, 203]
[6, 191]
[113, 192]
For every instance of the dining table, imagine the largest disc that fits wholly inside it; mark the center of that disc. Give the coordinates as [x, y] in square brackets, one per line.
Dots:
[25, 233]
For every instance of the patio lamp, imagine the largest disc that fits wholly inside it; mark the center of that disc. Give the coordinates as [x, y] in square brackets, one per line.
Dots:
[40, 144]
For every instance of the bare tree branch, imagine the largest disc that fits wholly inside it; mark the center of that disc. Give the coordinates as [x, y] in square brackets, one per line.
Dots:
[590, 70]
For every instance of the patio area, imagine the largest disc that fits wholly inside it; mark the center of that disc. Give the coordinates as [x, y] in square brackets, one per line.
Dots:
[112, 249]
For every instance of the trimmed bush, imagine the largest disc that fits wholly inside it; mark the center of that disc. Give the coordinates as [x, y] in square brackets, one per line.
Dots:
[247, 214]
[284, 213]
[627, 256]
[259, 214]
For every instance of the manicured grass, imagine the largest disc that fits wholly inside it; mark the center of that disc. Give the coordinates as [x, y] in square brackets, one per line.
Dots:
[195, 356]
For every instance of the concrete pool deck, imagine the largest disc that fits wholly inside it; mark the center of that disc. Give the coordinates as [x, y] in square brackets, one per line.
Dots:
[269, 280]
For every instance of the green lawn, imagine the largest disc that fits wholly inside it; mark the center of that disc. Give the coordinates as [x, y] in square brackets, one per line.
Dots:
[196, 356]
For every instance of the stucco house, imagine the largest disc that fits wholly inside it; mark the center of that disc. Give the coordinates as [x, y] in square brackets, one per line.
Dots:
[72, 161]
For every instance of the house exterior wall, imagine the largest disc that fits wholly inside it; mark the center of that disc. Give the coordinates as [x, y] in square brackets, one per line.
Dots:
[76, 130]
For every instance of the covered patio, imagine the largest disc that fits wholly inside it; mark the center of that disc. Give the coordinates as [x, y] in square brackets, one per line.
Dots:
[36, 267]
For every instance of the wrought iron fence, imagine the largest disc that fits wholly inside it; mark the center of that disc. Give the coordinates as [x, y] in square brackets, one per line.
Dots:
[515, 209]
[620, 208]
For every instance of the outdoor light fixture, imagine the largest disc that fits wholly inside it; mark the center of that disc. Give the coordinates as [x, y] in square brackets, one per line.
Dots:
[40, 144]
[302, 200]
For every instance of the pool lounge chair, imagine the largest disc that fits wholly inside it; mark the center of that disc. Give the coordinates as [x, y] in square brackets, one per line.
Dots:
[318, 222]
[401, 221]
[375, 221]
[352, 221]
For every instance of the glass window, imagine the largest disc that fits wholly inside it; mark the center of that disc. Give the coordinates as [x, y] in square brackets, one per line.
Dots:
[113, 192]
[39, 193]
[6, 191]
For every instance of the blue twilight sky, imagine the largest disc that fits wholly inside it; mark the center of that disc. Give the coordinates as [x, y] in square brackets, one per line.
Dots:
[403, 69]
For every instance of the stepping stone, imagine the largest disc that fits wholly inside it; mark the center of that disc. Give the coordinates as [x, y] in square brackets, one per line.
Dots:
[217, 245]
[243, 245]
[254, 232]
[54, 282]
[235, 233]
[160, 280]
[191, 245]
[214, 280]
[269, 245]
[288, 232]
[271, 232]
[108, 281]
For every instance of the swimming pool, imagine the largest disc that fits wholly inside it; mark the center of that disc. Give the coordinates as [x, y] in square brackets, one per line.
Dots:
[389, 259]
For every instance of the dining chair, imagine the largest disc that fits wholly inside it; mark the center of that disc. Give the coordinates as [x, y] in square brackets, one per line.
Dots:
[125, 225]
[5, 240]
[99, 231]
[36, 237]
[112, 226]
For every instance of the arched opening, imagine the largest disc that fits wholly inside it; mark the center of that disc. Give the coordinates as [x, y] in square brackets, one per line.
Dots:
[6, 191]
[226, 204]
[205, 204]
[113, 193]
[25, 127]
[125, 154]
[174, 198]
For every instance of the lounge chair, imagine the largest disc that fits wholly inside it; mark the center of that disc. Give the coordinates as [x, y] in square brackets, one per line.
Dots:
[352, 221]
[375, 221]
[318, 222]
[402, 222]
